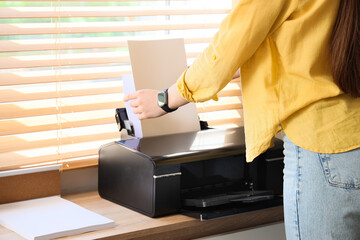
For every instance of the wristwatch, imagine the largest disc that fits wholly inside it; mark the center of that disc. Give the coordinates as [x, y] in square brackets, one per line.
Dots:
[163, 101]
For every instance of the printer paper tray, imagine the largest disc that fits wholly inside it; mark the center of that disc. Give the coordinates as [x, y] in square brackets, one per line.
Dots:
[225, 198]
[229, 209]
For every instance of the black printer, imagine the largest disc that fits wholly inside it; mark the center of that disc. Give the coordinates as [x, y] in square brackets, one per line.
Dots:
[202, 174]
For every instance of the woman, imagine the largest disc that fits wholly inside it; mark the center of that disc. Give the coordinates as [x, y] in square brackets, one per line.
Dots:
[300, 69]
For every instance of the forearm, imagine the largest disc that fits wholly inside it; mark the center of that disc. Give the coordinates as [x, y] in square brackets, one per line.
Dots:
[174, 97]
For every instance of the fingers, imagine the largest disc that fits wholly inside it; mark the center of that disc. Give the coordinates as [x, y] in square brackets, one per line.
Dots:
[134, 103]
[137, 110]
[131, 96]
[141, 116]
[140, 113]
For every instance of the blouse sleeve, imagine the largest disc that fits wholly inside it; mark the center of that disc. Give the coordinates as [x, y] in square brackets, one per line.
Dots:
[239, 35]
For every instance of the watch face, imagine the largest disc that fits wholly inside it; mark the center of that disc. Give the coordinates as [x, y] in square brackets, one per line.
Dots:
[161, 99]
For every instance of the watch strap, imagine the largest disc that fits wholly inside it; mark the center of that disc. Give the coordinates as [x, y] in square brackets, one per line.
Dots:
[165, 107]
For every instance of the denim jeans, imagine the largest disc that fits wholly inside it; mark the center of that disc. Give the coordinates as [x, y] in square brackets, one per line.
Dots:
[321, 194]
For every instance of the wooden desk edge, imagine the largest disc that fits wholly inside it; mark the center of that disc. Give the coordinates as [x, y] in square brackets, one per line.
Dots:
[196, 229]
[174, 227]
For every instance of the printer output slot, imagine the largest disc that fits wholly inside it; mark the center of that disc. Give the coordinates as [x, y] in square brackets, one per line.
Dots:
[217, 188]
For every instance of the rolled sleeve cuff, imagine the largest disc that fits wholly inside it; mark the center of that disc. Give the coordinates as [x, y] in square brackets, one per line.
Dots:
[186, 93]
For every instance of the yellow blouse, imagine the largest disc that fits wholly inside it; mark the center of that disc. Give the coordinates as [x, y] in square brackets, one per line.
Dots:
[282, 47]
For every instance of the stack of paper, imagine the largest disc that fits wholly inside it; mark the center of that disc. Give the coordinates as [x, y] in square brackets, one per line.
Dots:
[50, 217]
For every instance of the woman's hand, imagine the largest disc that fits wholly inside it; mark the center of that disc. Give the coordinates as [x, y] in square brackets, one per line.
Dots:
[144, 103]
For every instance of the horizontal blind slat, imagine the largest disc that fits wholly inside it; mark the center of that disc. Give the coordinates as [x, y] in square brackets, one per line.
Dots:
[69, 59]
[224, 117]
[24, 109]
[100, 27]
[231, 89]
[237, 79]
[40, 155]
[226, 123]
[230, 92]
[25, 76]
[49, 138]
[16, 95]
[231, 114]
[48, 123]
[114, 11]
[82, 43]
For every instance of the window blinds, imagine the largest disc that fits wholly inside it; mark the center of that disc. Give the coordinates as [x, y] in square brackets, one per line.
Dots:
[61, 67]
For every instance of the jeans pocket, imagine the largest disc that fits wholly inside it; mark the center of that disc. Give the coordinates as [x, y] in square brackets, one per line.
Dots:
[342, 169]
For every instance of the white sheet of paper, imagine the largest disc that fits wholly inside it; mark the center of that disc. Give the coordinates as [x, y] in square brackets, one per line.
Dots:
[129, 87]
[50, 217]
[157, 64]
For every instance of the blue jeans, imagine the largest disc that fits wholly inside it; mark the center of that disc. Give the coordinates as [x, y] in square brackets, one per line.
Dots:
[321, 194]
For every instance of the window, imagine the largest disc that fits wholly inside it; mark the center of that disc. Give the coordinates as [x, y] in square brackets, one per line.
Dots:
[61, 64]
